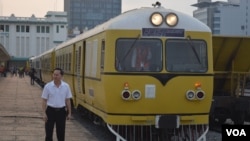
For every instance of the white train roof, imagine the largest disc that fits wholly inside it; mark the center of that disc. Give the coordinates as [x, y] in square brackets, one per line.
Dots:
[137, 19]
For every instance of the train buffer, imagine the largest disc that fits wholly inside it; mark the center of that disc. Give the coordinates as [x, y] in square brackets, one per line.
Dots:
[21, 113]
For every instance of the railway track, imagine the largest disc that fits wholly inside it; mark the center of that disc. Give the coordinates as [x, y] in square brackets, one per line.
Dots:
[214, 133]
[99, 131]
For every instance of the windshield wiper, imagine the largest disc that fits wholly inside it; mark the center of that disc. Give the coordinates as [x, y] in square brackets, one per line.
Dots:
[193, 48]
[131, 48]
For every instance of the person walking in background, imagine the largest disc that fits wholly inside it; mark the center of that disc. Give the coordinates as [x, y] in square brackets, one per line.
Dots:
[56, 105]
[21, 72]
[2, 70]
[15, 71]
[32, 75]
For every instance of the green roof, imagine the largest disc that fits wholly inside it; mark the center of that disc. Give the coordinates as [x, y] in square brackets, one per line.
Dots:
[19, 59]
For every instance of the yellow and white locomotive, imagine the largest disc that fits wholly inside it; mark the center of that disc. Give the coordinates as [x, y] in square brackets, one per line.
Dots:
[147, 74]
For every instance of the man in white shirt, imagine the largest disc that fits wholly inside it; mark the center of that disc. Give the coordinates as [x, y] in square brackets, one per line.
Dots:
[56, 105]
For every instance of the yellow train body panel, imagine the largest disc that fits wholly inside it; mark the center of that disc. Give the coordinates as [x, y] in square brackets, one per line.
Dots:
[103, 87]
[107, 101]
[47, 65]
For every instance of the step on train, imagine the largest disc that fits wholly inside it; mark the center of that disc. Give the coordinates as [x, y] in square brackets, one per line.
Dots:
[147, 74]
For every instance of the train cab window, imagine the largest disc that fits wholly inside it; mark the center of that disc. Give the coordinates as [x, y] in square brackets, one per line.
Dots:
[186, 55]
[138, 55]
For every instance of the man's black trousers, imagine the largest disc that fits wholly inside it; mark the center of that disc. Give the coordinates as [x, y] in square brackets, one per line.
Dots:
[55, 116]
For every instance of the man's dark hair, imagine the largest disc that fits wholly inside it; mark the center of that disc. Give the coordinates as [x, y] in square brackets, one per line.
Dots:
[61, 71]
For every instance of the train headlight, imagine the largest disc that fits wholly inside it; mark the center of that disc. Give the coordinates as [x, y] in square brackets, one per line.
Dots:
[136, 95]
[126, 94]
[200, 94]
[171, 19]
[190, 95]
[156, 19]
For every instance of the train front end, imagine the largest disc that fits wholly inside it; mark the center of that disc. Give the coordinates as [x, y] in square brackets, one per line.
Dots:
[167, 86]
[158, 76]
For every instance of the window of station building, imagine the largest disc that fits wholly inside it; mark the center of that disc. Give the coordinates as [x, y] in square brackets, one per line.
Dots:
[47, 29]
[43, 29]
[22, 28]
[27, 29]
[57, 29]
[2, 28]
[18, 28]
[38, 29]
[6, 28]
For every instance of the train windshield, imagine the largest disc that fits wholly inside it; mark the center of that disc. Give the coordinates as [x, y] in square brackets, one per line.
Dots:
[186, 55]
[138, 55]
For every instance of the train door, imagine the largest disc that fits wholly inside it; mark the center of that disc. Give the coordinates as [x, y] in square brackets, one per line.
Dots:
[79, 71]
[83, 67]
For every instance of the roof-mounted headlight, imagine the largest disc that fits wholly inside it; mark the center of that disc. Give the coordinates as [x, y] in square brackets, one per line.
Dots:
[156, 19]
[171, 19]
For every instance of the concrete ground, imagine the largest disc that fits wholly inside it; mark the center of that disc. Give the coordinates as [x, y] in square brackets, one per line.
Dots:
[21, 113]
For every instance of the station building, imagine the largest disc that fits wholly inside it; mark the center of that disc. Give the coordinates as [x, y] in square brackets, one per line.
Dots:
[229, 17]
[24, 37]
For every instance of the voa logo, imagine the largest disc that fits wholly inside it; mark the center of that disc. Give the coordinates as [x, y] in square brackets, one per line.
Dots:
[236, 132]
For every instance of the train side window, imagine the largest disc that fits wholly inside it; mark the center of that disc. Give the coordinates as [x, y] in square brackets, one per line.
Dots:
[57, 61]
[60, 61]
[70, 61]
[48, 64]
[63, 61]
[66, 62]
[102, 54]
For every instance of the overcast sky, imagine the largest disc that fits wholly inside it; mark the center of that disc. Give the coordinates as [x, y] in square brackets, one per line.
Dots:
[25, 8]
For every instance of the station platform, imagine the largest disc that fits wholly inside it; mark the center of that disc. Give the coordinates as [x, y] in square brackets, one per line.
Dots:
[21, 113]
